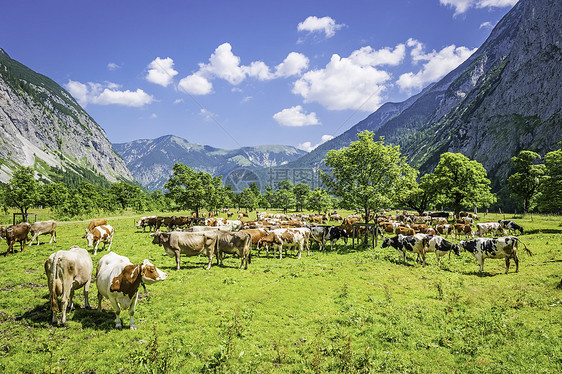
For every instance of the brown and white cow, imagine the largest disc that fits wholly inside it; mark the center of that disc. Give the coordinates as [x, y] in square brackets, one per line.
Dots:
[485, 228]
[43, 228]
[463, 229]
[66, 272]
[237, 243]
[445, 230]
[149, 221]
[103, 233]
[176, 243]
[118, 280]
[94, 223]
[286, 238]
[17, 233]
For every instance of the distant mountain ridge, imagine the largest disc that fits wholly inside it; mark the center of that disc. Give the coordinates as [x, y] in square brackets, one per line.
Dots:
[151, 160]
[42, 126]
[505, 98]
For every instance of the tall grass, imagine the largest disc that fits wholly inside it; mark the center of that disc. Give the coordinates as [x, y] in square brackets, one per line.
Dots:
[359, 310]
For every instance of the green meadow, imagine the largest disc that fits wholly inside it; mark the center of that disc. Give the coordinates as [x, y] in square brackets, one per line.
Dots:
[349, 310]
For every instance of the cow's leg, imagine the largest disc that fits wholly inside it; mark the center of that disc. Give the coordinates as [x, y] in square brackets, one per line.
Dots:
[132, 325]
[96, 248]
[404, 256]
[506, 264]
[67, 292]
[300, 250]
[117, 311]
[22, 244]
[178, 260]
[86, 293]
[516, 259]
[110, 241]
[100, 297]
[481, 264]
[210, 261]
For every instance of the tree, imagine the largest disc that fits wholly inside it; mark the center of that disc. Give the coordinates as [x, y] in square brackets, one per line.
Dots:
[551, 188]
[367, 175]
[301, 191]
[421, 195]
[188, 188]
[318, 200]
[527, 178]
[284, 199]
[22, 191]
[247, 199]
[461, 182]
[53, 195]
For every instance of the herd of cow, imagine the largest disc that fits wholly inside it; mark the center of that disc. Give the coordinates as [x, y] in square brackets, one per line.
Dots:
[118, 279]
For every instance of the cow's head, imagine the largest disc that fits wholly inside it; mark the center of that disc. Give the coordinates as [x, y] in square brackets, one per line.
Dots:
[385, 243]
[159, 237]
[151, 273]
[456, 249]
[90, 238]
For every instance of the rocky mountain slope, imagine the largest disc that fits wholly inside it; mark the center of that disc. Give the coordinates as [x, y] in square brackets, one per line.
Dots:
[151, 160]
[506, 97]
[42, 126]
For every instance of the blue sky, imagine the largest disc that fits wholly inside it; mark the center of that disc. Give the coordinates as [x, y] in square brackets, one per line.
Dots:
[239, 73]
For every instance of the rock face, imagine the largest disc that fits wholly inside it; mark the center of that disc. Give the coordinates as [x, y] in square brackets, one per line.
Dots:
[42, 126]
[505, 98]
[151, 160]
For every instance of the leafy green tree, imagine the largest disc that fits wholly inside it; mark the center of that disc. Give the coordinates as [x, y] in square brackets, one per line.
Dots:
[461, 182]
[22, 191]
[318, 200]
[367, 175]
[420, 195]
[525, 182]
[158, 201]
[247, 199]
[53, 195]
[189, 189]
[285, 185]
[301, 191]
[551, 188]
[284, 199]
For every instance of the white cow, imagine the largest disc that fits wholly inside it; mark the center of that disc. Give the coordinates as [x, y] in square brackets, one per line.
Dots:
[118, 280]
[43, 228]
[66, 272]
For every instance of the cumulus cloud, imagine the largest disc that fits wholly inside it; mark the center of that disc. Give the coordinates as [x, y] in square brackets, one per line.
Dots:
[313, 24]
[345, 83]
[296, 117]
[367, 56]
[462, 6]
[293, 64]
[224, 64]
[308, 147]
[106, 94]
[437, 64]
[161, 71]
[195, 84]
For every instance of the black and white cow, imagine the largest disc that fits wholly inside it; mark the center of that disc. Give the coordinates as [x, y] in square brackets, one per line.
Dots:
[511, 226]
[321, 234]
[504, 247]
[411, 243]
[335, 233]
[441, 247]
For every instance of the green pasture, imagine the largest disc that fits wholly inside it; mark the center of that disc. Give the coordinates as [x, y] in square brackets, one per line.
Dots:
[350, 310]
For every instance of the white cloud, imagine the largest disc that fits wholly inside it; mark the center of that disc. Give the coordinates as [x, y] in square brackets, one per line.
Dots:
[106, 94]
[113, 66]
[327, 25]
[295, 117]
[195, 84]
[343, 84]
[178, 101]
[153, 116]
[293, 64]
[224, 64]
[437, 64]
[160, 71]
[308, 147]
[367, 56]
[462, 6]
[486, 25]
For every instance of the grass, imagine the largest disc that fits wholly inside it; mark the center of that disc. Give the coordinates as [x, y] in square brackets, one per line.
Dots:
[359, 310]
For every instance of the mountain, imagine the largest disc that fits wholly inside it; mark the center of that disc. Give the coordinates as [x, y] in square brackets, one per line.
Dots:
[42, 126]
[505, 98]
[151, 160]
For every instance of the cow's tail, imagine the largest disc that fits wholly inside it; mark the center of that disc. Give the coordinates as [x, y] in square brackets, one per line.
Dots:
[527, 249]
[53, 282]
